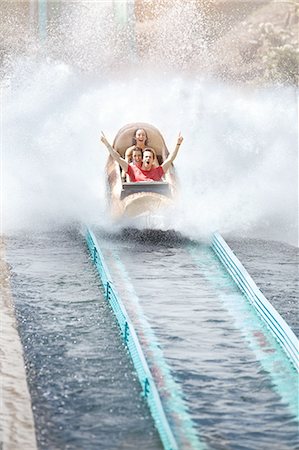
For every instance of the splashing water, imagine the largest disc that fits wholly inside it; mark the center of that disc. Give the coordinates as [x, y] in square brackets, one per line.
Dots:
[237, 164]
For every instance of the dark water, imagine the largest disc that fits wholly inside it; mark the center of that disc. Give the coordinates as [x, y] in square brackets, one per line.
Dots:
[84, 391]
[211, 340]
[82, 383]
[274, 267]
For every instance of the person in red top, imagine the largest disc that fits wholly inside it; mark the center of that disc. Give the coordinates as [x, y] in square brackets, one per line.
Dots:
[141, 173]
[134, 158]
[146, 172]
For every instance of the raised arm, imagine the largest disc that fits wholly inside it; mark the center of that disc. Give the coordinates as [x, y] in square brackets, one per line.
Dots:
[171, 157]
[121, 161]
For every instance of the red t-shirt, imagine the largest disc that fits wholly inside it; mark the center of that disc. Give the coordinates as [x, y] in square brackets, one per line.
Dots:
[137, 174]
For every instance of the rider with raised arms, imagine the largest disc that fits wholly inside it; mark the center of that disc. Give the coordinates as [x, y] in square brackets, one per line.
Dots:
[147, 172]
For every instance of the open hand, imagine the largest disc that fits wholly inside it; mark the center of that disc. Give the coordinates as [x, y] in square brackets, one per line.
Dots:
[104, 139]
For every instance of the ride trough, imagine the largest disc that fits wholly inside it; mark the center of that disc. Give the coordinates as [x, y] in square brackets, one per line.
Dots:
[134, 199]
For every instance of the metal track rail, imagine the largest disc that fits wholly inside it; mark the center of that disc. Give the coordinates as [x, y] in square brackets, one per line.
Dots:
[150, 391]
[275, 323]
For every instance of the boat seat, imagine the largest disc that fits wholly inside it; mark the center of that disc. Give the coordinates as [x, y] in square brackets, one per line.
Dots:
[123, 140]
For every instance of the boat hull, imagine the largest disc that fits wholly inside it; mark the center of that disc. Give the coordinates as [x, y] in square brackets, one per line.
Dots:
[145, 202]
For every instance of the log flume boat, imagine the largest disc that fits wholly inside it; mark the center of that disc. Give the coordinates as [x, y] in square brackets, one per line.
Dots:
[128, 200]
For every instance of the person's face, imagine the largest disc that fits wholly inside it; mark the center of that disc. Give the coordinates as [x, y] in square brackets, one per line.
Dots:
[137, 157]
[148, 159]
[140, 136]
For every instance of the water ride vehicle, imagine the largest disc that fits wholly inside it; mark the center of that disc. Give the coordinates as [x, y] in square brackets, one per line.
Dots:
[135, 199]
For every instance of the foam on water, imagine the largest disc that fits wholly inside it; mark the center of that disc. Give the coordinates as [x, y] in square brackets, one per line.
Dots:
[237, 165]
[238, 162]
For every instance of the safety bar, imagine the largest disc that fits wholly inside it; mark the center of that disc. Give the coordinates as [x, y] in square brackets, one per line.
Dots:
[149, 388]
[158, 187]
[275, 323]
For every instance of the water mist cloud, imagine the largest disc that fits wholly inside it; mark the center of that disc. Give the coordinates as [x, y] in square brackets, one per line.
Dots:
[237, 165]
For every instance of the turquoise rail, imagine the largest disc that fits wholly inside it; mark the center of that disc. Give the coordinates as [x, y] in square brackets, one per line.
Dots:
[150, 391]
[275, 323]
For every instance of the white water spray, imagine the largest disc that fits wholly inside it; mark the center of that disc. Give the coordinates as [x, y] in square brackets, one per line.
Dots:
[237, 165]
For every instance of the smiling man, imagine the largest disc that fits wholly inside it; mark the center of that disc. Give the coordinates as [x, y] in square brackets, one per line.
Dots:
[146, 172]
